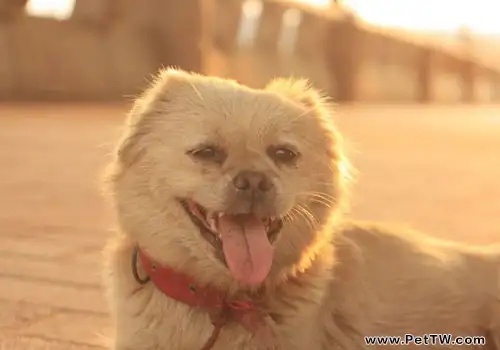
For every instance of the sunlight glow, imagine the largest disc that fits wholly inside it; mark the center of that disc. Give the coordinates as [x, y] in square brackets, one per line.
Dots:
[316, 2]
[443, 15]
[59, 9]
[481, 16]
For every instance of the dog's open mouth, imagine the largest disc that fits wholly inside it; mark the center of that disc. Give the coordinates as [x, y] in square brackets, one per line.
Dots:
[244, 239]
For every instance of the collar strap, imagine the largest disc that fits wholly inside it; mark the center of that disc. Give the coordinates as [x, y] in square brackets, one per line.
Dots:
[183, 288]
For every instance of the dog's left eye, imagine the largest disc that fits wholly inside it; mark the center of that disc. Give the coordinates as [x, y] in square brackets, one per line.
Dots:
[283, 155]
[209, 154]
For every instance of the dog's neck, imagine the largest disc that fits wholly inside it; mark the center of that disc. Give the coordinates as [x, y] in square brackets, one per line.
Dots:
[180, 286]
[220, 307]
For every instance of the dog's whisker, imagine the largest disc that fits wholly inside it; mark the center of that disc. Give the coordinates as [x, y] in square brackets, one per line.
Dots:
[308, 217]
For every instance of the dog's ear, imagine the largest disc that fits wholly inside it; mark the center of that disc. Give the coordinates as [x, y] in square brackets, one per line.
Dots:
[165, 86]
[298, 90]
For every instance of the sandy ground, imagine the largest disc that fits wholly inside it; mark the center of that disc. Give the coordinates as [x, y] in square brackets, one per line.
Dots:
[434, 168]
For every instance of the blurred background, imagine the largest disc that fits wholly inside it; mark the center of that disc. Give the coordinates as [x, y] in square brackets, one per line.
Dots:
[417, 86]
[356, 50]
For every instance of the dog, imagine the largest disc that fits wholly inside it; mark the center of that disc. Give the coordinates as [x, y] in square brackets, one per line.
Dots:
[230, 203]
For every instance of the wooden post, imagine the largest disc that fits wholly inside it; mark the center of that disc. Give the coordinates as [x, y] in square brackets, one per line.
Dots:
[226, 20]
[270, 25]
[344, 49]
[425, 75]
[468, 69]
[179, 26]
[468, 73]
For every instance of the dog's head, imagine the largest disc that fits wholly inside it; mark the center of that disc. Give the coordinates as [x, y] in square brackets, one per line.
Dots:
[228, 182]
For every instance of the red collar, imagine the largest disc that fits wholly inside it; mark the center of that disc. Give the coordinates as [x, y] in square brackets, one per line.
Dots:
[183, 288]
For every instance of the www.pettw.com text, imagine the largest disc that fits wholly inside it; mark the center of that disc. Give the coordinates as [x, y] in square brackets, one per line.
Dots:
[425, 339]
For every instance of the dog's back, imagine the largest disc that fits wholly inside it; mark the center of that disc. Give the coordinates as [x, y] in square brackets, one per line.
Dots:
[408, 283]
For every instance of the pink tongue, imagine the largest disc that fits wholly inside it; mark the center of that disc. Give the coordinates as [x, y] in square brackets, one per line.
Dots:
[247, 249]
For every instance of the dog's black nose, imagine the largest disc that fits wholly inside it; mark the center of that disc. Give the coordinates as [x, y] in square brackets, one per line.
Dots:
[248, 180]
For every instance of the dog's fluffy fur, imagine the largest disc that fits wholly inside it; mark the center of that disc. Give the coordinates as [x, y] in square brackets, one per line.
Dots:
[332, 282]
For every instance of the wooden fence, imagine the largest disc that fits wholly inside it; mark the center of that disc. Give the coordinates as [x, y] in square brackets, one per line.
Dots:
[351, 60]
[108, 49]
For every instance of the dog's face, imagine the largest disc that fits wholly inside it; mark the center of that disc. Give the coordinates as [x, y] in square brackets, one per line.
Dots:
[223, 173]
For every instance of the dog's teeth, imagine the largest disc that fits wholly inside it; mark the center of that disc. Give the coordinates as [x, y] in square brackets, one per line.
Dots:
[211, 221]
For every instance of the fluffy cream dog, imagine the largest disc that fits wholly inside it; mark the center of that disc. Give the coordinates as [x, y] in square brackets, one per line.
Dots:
[229, 200]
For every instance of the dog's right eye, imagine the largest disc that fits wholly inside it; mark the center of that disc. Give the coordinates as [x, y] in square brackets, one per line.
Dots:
[208, 154]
